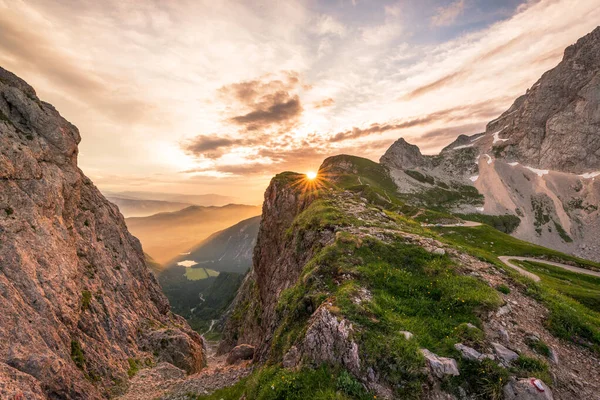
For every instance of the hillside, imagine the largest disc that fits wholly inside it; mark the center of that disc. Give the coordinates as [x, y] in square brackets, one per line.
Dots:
[229, 250]
[349, 289]
[81, 311]
[144, 208]
[166, 236]
[537, 162]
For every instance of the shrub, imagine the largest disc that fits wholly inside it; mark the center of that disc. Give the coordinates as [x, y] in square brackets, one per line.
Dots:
[77, 354]
[86, 299]
[503, 289]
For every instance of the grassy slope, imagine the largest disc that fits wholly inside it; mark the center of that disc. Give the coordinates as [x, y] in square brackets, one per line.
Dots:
[410, 289]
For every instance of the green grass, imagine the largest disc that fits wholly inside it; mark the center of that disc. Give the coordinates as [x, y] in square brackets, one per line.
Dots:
[568, 319]
[134, 367]
[583, 288]
[196, 274]
[488, 243]
[562, 233]
[411, 290]
[274, 383]
[525, 367]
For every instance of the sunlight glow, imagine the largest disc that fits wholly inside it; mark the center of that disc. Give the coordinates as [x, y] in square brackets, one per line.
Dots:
[311, 175]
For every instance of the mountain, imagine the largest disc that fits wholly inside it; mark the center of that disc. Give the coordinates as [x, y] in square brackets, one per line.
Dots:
[166, 236]
[539, 161]
[349, 289]
[195, 199]
[229, 250]
[144, 208]
[81, 312]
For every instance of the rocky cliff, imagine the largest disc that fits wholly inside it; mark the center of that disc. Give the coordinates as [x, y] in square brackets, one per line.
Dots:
[81, 312]
[540, 160]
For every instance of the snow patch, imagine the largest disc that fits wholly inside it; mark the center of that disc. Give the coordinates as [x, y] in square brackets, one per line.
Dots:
[464, 146]
[513, 164]
[590, 175]
[489, 161]
[477, 138]
[497, 136]
[474, 178]
[480, 209]
[539, 172]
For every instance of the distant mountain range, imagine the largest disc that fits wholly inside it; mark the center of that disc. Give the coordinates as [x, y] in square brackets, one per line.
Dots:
[209, 199]
[165, 236]
[144, 208]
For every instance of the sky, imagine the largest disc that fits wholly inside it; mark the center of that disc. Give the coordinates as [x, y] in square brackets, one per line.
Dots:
[217, 96]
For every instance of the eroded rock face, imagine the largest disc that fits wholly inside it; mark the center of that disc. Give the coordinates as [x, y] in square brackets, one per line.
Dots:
[279, 257]
[539, 161]
[555, 125]
[77, 299]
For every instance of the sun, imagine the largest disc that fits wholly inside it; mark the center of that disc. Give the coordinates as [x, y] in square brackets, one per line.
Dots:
[311, 175]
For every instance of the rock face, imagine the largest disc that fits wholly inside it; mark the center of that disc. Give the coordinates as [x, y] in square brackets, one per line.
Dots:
[555, 125]
[540, 160]
[285, 198]
[79, 305]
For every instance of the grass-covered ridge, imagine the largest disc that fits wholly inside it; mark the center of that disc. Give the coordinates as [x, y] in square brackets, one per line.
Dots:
[377, 278]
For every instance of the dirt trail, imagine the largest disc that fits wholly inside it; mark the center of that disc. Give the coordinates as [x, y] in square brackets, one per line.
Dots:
[166, 382]
[506, 260]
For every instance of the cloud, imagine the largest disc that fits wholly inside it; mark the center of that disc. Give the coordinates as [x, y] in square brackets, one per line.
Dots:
[482, 111]
[269, 102]
[446, 16]
[328, 102]
[328, 25]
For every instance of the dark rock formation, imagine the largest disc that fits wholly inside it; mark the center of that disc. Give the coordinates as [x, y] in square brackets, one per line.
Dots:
[79, 305]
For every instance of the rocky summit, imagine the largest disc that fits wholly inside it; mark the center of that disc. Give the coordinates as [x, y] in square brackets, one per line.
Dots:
[539, 162]
[81, 312]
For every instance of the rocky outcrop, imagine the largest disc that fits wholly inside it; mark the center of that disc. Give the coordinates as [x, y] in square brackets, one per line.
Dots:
[556, 124]
[253, 313]
[79, 305]
[403, 155]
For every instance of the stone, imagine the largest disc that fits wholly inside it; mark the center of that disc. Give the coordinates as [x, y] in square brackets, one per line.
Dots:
[503, 334]
[527, 389]
[439, 251]
[440, 366]
[504, 354]
[407, 335]
[292, 358]
[504, 310]
[239, 353]
[553, 356]
[468, 353]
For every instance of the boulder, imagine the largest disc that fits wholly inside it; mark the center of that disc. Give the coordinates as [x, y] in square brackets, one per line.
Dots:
[440, 366]
[527, 389]
[467, 352]
[240, 353]
[506, 355]
[183, 350]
